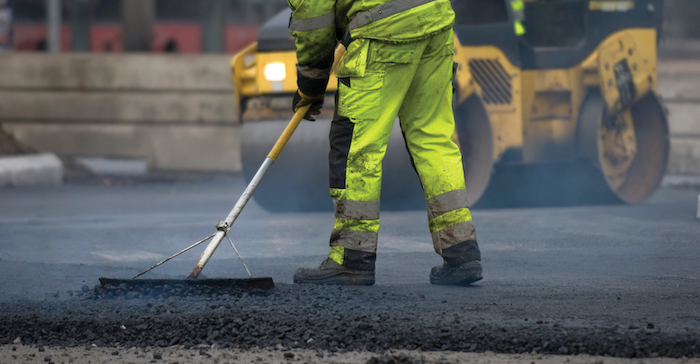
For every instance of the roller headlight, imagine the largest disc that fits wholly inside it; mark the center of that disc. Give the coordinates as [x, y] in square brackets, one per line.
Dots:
[275, 71]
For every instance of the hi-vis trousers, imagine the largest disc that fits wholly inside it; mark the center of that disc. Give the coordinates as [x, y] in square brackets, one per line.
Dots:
[378, 81]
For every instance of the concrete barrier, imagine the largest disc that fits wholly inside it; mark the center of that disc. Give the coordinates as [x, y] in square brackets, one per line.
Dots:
[177, 111]
[679, 86]
[32, 169]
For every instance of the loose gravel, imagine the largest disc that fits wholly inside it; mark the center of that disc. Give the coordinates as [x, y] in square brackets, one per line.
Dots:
[329, 319]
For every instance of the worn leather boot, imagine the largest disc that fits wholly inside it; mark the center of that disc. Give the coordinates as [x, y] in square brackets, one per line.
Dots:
[462, 265]
[356, 271]
[459, 275]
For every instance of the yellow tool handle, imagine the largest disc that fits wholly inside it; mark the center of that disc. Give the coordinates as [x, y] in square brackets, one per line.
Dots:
[288, 131]
[292, 126]
[337, 57]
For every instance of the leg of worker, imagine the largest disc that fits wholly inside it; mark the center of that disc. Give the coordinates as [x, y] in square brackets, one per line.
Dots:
[365, 113]
[428, 125]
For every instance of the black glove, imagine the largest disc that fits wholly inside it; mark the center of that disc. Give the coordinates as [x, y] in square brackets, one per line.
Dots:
[316, 103]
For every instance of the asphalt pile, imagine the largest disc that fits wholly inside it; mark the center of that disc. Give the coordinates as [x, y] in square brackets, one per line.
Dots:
[132, 289]
[313, 317]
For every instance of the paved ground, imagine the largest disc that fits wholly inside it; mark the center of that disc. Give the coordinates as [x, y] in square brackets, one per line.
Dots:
[613, 280]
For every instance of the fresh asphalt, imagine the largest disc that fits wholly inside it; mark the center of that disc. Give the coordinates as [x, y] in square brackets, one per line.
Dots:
[620, 280]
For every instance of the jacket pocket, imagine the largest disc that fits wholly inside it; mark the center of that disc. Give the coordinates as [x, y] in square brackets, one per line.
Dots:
[360, 97]
[354, 62]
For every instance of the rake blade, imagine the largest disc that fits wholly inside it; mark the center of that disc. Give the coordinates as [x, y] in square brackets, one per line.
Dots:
[186, 286]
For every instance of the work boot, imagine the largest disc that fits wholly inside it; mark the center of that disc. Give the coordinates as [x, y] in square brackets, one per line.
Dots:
[458, 275]
[462, 265]
[330, 272]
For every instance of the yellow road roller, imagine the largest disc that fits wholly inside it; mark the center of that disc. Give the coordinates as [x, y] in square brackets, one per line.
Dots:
[555, 104]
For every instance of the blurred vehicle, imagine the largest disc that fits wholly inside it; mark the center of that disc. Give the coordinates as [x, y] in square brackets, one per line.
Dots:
[566, 111]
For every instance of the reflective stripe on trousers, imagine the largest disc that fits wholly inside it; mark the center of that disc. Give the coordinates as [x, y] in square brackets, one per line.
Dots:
[450, 220]
[377, 82]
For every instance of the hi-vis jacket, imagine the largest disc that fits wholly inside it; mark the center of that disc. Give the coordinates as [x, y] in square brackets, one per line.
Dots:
[318, 25]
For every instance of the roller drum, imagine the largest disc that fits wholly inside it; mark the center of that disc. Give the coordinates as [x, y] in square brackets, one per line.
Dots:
[630, 149]
[619, 161]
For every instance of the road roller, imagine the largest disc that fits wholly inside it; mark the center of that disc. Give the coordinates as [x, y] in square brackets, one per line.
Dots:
[555, 104]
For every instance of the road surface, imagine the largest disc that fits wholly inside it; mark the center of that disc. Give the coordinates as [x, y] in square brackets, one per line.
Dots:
[617, 280]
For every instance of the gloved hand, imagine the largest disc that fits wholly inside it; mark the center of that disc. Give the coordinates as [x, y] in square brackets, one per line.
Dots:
[316, 103]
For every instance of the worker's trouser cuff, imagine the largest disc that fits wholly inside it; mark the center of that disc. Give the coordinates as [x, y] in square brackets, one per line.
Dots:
[460, 253]
[353, 259]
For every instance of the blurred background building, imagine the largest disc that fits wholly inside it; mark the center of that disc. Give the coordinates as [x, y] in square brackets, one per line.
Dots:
[183, 26]
[5, 25]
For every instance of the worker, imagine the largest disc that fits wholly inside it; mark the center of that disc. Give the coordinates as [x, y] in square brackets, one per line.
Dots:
[517, 9]
[398, 62]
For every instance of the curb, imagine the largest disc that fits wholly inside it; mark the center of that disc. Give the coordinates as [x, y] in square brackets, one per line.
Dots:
[680, 181]
[33, 169]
